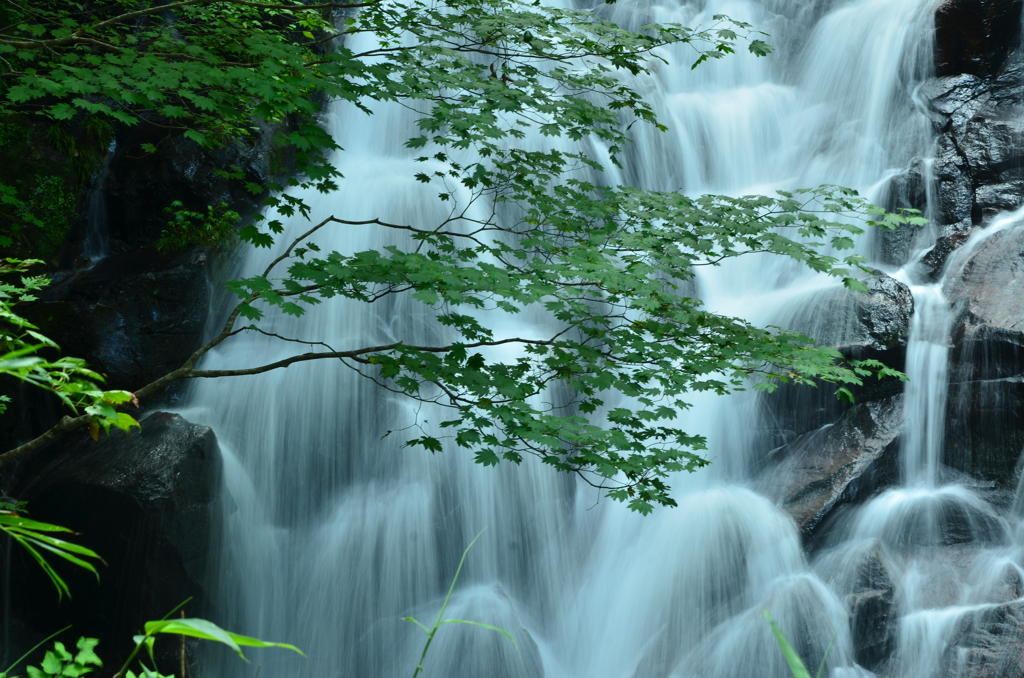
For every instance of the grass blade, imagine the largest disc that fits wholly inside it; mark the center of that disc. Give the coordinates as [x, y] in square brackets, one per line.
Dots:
[796, 665]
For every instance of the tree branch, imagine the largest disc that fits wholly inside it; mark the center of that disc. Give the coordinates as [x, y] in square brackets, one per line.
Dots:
[65, 425]
[79, 34]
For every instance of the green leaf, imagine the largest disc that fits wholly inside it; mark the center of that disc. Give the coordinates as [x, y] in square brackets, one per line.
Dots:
[796, 665]
[484, 626]
[207, 630]
[759, 48]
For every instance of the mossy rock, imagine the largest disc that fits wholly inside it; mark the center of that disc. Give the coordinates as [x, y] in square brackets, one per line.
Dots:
[45, 167]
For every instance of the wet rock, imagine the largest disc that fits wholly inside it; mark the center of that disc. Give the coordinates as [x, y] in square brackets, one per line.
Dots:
[934, 261]
[985, 426]
[986, 644]
[883, 315]
[141, 185]
[991, 147]
[975, 36]
[136, 316]
[907, 189]
[953, 182]
[984, 434]
[953, 100]
[1008, 87]
[836, 464]
[987, 295]
[872, 618]
[872, 325]
[1002, 197]
[146, 501]
[1009, 586]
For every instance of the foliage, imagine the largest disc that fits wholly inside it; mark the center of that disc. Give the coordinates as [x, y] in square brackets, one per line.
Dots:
[33, 535]
[60, 663]
[796, 664]
[605, 263]
[77, 387]
[187, 228]
[193, 628]
[44, 167]
[441, 621]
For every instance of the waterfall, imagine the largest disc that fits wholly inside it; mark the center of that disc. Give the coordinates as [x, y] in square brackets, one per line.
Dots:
[97, 228]
[334, 532]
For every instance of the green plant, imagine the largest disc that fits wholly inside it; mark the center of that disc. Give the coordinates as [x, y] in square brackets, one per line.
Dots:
[441, 621]
[187, 228]
[33, 535]
[69, 379]
[193, 628]
[796, 664]
[605, 264]
[6, 673]
[60, 663]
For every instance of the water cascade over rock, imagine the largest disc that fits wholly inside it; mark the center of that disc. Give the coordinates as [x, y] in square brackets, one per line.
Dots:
[913, 555]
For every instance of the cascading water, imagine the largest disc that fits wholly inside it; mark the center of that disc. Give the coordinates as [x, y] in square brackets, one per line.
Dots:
[334, 533]
[97, 231]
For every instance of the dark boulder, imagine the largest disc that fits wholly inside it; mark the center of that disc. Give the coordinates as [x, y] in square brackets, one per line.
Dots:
[991, 146]
[836, 464]
[978, 170]
[880, 332]
[984, 433]
[134, 317]
[953, 100]
[146, 501]
[975, 36]
[992, 199]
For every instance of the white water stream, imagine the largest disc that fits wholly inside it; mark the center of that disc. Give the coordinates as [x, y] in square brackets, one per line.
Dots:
[333, 534]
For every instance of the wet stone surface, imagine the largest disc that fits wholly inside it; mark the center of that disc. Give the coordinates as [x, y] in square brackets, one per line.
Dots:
[836, 464]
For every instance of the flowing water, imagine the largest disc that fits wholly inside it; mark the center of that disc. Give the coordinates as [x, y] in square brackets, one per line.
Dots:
[97, 228]
[333, 533]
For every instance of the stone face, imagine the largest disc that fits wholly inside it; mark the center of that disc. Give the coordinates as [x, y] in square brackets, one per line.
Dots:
[975, 36]
[836, 464]
[884, 314]
[987, 293]
[987, 644]
[978, 169]
[871, 609]
[146, 501]
[934, 261]
[992, 148]
[136, 316]
[906, 189]
[985, 426]
[1001, 197]
[954, 183]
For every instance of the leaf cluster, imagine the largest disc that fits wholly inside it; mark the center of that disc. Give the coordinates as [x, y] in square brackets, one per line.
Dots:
[527, 230]
[33, 536]
[78, 387]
